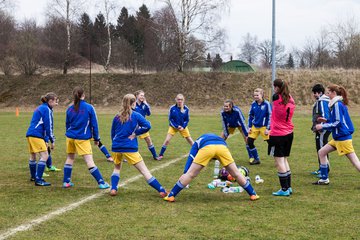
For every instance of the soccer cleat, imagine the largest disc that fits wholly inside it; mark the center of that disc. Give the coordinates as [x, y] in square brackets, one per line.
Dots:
[45, 175]
[104, 185]
[124, 160]
[110, 159]
[68, 185]
[157, 158]
[282, 193]
[169, 199]
[322, 182]
[315, 172]
[32, 179]
[253, 161]
[163, 194]
[254, 197]
[160, 157]
[42, 183]
[113, 192]
[290, 190]
[53, 169]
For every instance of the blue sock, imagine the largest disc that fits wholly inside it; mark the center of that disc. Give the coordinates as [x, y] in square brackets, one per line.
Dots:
[97, 175]
[248, 151]
[40, 170]
[153, 151]
[162, 151]
[254, 153]
[155, 184]
[248, 188]
[32, 167]
[49, 162]
[176, 189]
[115, 178]
[67, 173]
[324, 171]
[105, 151]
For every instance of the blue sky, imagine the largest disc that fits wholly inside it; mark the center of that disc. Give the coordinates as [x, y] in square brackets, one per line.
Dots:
[297, 20]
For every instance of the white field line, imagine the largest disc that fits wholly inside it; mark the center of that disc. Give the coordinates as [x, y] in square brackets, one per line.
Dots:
[37, 221]
[62, 210]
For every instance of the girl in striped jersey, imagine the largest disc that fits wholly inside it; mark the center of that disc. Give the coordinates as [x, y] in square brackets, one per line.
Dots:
[341, 126]
[41, 130]
[143, 108]
[259, 122]
[232, 118]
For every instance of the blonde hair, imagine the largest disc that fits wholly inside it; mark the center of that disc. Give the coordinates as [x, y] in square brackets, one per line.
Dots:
[125, 109]
[260, 91]
[137, 93]
[181, 96]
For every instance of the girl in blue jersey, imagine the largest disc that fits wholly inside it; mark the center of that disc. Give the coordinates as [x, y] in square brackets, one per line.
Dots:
[232, 118]
[259, 123]
[205, 148]
[40, 131]
[81, 126]
[341, 126]
[178, 121]
[143, 108]
[126, 126]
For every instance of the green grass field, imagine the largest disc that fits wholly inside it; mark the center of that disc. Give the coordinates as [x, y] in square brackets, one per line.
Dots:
[312, 212]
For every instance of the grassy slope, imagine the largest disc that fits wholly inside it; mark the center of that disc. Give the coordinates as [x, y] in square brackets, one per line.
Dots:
[202, 90]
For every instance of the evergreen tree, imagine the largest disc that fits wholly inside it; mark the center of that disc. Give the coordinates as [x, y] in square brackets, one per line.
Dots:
[217, 62]
[302, 63]
[208, 62]
[86, 34]
[290, 62]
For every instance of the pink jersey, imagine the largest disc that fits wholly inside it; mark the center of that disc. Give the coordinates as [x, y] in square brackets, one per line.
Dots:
[281, 117]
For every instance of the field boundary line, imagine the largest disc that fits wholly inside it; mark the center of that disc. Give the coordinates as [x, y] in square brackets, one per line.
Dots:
[72, 206]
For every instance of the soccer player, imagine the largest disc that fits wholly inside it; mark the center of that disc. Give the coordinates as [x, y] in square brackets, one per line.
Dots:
[41, 130]
[205, 148]
[320, 110]
[178, 121]
[232, 118]
[143, 108]
[259, 122]
[126, 126]
[81, 126]
[281, 134]
[342, 128]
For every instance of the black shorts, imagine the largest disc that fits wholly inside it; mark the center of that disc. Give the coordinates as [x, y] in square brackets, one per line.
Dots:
[280, 146]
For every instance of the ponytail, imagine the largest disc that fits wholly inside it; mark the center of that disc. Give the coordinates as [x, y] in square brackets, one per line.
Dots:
[78, 92]
[125, 109]
[284, 90]
[48, 96]
[340, 91]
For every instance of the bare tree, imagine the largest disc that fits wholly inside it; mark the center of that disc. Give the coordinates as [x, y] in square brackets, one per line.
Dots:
[7, 32]
[266, 56]
[27, 44]
[249, 48]
[68, 10]
[193, 17]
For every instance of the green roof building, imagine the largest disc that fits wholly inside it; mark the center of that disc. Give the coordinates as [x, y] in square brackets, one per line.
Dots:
[236, 66]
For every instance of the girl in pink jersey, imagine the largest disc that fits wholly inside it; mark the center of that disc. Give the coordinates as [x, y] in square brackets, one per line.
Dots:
[281, 134]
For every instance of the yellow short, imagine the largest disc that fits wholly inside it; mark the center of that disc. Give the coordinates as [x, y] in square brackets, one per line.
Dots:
[232, 130]
[220, 152]
[36, 145]
[342, 147]
[184, 133]
[81, 147]
[132, 157]
[145, 135]
[256, 131]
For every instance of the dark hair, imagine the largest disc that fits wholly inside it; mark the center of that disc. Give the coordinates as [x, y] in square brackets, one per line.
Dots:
[318, 88]
[48, 96]
[284, 90]
[78, 92]
[340, 91]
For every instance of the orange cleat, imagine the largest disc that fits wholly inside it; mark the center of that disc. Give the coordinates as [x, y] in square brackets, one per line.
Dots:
[113, 192]
[169, 199]
[254, 197]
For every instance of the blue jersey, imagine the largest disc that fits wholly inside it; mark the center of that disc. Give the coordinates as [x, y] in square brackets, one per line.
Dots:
[202, 141]
[177, 117]
[120, 132]
[321, 109]
[42, 124]
[339, 122]
[82, 124]
[260, 115]
[143, 109]
[235, 118]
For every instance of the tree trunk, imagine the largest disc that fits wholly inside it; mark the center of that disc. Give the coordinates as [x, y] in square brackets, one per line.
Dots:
[67, 56]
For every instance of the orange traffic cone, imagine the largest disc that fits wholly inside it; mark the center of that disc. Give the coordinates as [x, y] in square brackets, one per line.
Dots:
[17, 112]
